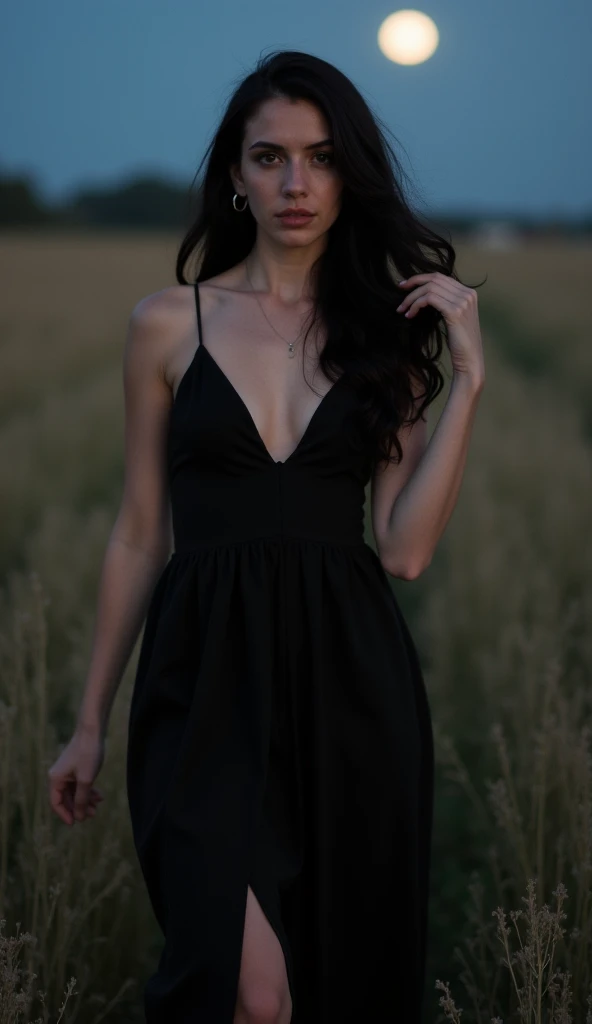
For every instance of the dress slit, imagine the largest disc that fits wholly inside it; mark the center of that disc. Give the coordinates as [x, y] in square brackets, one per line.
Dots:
[280, 936]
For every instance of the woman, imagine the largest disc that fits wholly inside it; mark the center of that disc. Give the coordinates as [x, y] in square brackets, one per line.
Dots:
[280, 754]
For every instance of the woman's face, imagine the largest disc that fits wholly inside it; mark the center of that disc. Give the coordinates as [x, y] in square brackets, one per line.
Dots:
[287, 162]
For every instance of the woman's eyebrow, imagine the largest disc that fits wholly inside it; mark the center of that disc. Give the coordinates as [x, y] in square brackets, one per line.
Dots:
[261, 144]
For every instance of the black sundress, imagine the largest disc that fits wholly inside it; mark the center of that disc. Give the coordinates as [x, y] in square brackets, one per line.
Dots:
[279, 730]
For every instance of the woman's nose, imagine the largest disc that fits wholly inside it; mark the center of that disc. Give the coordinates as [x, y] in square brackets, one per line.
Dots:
[294, 180]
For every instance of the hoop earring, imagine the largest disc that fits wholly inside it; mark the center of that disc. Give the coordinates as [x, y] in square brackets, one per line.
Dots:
[240, 209]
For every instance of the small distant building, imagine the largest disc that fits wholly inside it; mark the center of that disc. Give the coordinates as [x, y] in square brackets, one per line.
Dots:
[496, 234]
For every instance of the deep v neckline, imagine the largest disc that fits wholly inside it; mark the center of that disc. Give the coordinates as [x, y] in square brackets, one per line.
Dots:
[243, 405]
[249, 415]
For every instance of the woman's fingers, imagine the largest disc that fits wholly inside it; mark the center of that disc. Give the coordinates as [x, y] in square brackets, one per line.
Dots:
[61, 800]
[82, 798]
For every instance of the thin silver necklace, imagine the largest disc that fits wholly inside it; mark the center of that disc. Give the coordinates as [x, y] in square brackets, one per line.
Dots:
[290, 344]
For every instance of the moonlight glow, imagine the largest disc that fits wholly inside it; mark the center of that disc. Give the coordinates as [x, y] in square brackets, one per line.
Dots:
[408, 37]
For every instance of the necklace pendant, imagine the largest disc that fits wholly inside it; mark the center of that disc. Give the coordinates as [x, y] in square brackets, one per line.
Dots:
[291, 352]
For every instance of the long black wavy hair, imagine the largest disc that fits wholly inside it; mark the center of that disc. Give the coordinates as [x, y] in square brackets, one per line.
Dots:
[375, 241]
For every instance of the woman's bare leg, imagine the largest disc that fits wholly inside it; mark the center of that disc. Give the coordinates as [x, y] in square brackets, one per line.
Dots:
[263, 990]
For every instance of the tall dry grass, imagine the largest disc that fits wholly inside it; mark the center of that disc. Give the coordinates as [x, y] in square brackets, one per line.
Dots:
[536, 301]
[77, 892]
[76, 889]
[506, 620]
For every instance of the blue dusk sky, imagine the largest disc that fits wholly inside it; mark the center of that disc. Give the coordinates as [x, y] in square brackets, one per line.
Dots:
[498, 120]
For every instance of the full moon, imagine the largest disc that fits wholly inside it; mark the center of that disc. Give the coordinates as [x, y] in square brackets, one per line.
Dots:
[408, 37]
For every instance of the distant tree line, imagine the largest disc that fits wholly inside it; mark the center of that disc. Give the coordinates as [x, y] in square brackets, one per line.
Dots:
[144, 202]
[151, 202]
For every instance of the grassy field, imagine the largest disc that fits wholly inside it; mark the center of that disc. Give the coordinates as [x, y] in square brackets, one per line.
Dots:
[501, 619]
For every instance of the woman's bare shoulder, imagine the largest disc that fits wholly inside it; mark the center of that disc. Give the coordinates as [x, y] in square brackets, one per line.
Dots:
[174, 306]
[164, 306]
[159, 327]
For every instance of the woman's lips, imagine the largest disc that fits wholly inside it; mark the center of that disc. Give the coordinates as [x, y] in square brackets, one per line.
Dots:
[295, 219]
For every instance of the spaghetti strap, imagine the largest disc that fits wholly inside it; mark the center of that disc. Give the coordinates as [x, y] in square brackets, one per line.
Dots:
[198, 309]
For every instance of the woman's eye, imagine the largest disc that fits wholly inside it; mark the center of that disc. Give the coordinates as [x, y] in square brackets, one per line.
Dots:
[327, 158]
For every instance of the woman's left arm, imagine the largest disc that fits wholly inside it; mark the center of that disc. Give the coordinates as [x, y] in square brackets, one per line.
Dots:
[415, 514]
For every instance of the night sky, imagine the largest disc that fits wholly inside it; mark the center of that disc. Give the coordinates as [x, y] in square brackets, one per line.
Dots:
[498, 120]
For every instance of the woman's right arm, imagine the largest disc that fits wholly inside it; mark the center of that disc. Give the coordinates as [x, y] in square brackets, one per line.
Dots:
[137, 551]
